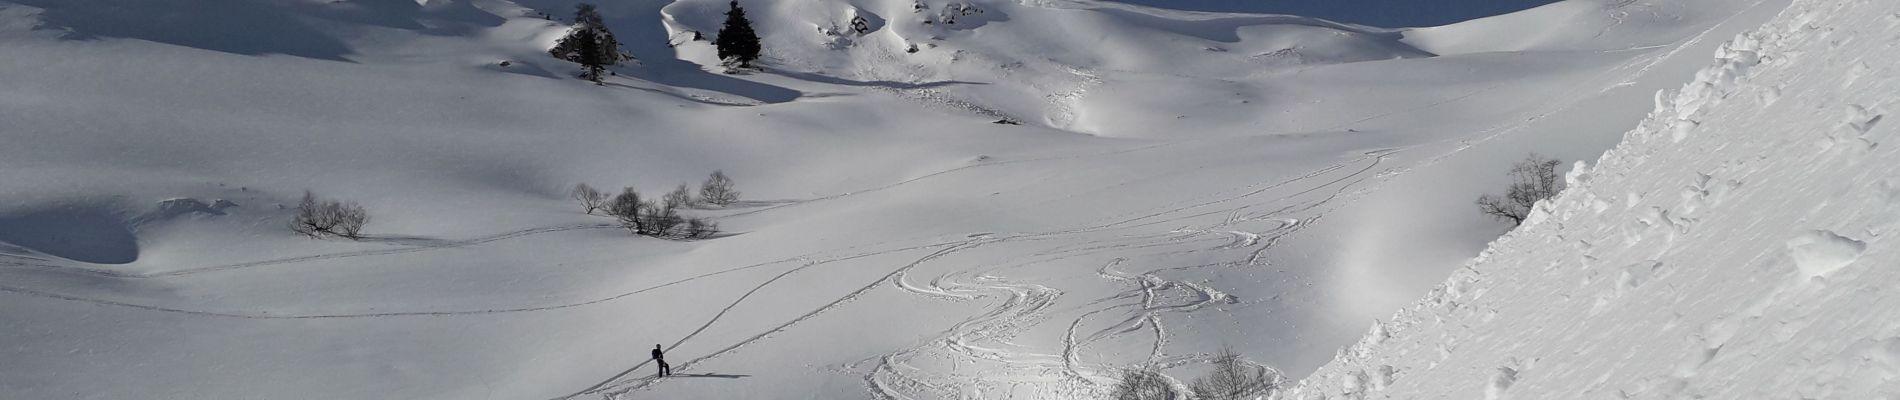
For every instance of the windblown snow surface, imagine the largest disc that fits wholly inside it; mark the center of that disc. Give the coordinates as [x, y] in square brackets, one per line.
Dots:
[1167, 183]
[1732, 247]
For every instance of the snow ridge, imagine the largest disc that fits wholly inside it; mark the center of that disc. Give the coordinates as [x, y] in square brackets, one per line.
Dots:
[1729, 247]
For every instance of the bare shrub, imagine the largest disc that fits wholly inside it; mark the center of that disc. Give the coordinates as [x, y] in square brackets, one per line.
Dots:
[626, 208]
[307, 222]
[679, 197]
[1143, 384]
[718, 189]
[657, 219]
[1533, 179]
[661, 219]
[701, 228]
[318, 217]
[590, 198]
[350, 219]
[1233, 379]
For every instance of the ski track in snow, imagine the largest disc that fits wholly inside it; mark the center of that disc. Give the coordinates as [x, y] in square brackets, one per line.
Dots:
[980, 338]
[298, 259]
[1022, 305]
[984, 338]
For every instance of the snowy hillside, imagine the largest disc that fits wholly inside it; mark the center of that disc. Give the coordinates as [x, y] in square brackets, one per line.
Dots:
[1733, 246]
[1173, 182]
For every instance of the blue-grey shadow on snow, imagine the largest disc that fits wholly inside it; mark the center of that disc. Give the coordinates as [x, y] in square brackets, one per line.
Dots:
[709, 375]
[253, 27]
[679, 73]
[635, 24]
[444, 18]
[884, 84]
[677, 95]
[1225, 29]
[89, 234]
[247, 27]
[1380, 13]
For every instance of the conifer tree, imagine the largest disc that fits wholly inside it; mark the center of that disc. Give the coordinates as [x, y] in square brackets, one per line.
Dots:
[588, 43]
[738, 44]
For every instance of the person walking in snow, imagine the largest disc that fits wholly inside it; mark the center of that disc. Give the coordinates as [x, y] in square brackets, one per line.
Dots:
[660, 357]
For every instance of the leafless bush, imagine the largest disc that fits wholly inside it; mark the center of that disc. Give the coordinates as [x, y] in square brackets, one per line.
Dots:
[677, 198]
[1233, 379]
[661, 219]
[317, 217]
[718, 189]
[626, 208]
[700, 228]
[1533, 179]
[1144, 384]
[590, 198]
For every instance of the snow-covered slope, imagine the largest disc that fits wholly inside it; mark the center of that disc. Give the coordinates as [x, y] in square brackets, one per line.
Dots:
[1180, 181]
[1733, 246]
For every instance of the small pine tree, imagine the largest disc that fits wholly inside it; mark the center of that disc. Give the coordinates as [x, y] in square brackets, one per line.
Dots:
[589, 43]
[738, 44]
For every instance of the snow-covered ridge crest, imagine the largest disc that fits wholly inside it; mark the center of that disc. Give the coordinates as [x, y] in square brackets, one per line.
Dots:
[1729, 247]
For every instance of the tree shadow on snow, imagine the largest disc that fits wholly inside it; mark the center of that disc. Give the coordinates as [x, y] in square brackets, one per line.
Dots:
[410, 241]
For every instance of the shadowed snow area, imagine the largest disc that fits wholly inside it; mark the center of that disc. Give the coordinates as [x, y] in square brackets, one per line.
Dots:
[943, 200]
[1386, 13]
[74, 232]
[233, 26]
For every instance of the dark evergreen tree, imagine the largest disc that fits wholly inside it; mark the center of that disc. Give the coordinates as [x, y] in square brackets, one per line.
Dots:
[589, 43]
[738, 44]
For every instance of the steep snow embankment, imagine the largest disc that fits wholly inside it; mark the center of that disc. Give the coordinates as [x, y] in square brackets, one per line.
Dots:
[1733, 246]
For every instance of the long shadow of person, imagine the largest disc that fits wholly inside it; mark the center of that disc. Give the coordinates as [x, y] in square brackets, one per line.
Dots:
[711, 375]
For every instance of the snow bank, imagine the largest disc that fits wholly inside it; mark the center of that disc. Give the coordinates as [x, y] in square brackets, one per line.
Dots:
[1733, 246]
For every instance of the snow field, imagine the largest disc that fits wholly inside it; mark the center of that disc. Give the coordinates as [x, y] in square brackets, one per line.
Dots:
[1180, 181]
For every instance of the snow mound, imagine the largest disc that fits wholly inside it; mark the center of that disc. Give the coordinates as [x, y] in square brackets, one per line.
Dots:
[1749, 253]
[1818, 253]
